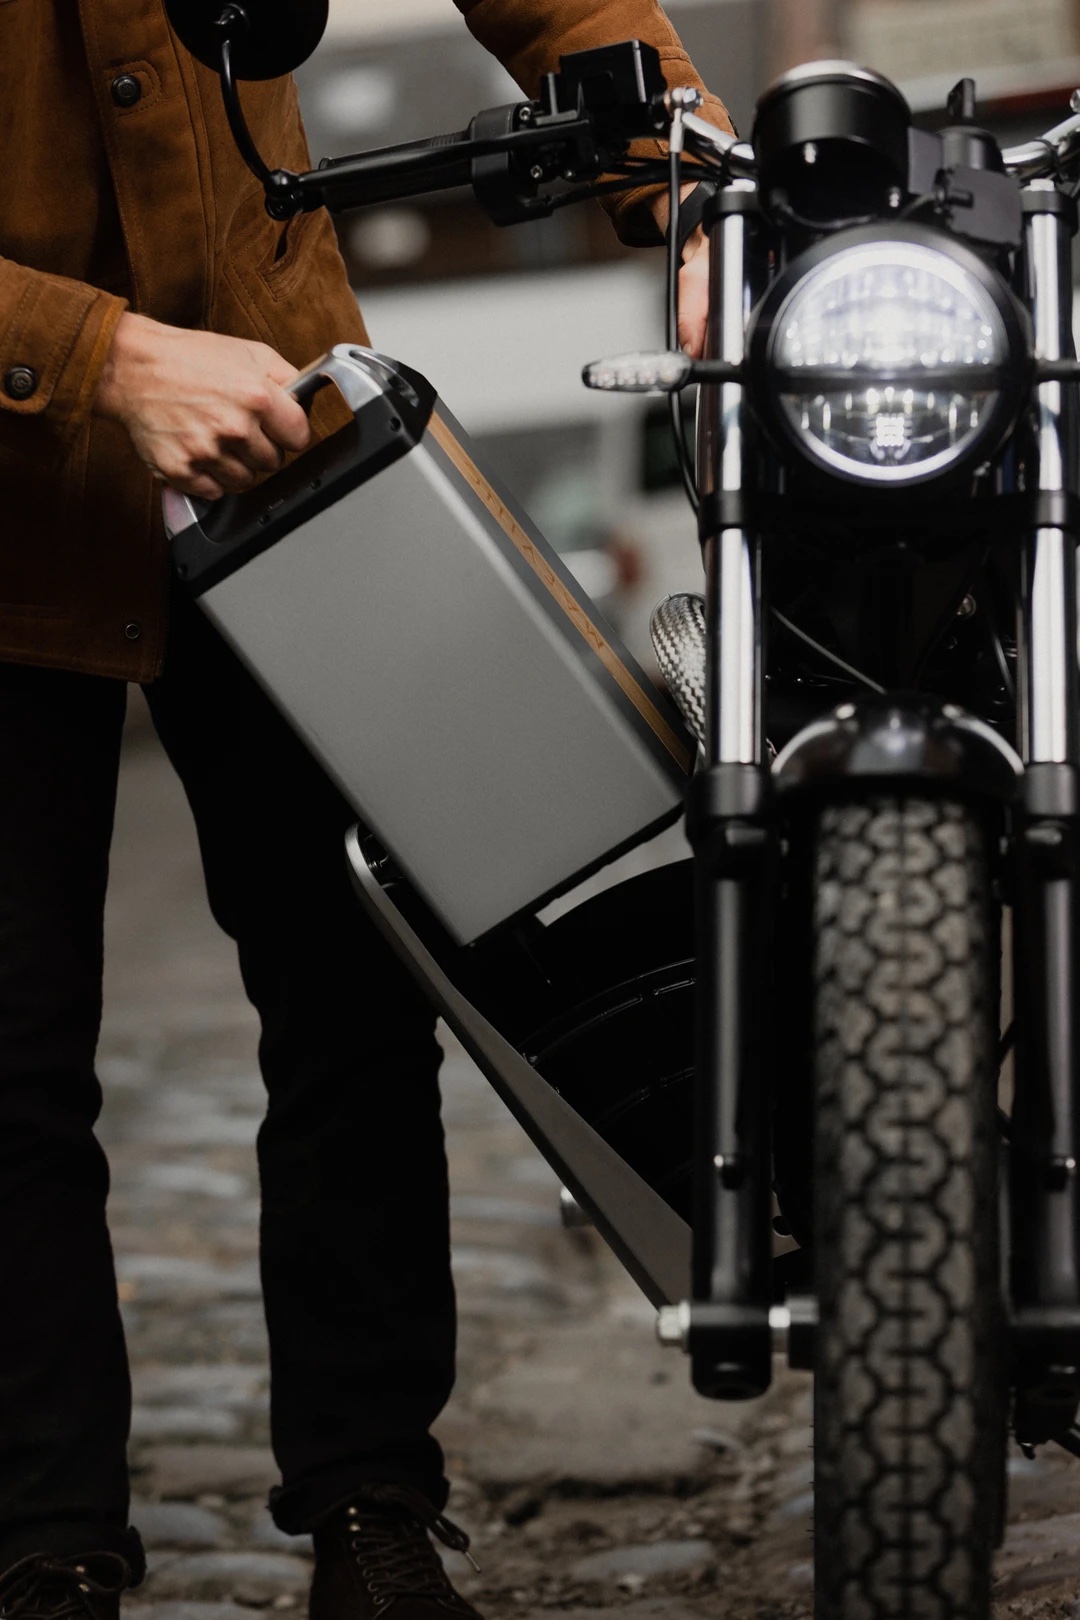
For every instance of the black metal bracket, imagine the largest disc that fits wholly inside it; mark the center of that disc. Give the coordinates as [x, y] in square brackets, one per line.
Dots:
[890, 739]
[1045, 1370]
[1052, 201]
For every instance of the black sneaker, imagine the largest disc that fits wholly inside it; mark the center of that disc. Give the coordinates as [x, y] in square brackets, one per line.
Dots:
[44, 1586]
[375, 1558]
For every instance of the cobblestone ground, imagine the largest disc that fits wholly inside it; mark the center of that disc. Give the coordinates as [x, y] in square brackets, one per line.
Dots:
[587, 1473]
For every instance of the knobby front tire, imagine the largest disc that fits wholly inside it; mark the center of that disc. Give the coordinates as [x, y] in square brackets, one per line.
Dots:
[909, 1386]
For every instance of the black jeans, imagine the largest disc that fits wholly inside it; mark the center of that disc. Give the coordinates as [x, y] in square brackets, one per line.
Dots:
[354, 1240]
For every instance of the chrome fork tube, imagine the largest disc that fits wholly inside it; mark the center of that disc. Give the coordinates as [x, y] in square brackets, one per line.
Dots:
[1048, 650]
[1048, 697]
[727, 822]
[733, 720]
[1045, 1192]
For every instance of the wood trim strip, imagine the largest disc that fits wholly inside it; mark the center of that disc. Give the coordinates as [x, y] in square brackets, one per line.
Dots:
[444, 438]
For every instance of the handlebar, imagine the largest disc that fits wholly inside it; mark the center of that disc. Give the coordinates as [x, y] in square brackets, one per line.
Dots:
[705, 140]
[1045, 156]
[580, 127]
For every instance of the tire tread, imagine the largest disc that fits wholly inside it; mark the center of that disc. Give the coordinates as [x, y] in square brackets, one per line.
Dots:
[907, 1382]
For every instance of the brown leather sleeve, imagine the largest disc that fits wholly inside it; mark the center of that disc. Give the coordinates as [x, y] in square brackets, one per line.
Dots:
[61, 329]
[529, 36]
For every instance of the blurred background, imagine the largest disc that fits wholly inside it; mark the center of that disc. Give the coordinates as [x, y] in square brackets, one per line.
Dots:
[502, 320]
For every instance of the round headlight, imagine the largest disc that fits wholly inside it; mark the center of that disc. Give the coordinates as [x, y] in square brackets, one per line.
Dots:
[887, 361]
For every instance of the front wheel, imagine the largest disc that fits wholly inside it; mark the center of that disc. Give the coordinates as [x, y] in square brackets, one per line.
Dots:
[909, 1390]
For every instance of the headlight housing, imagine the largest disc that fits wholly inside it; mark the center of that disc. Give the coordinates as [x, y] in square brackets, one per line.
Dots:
[890, 356]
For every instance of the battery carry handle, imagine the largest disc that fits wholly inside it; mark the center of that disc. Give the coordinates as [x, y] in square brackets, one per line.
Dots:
[359, 374]
[353, 370]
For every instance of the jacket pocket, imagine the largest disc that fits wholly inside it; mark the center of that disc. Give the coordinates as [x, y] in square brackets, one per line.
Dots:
[280, 271]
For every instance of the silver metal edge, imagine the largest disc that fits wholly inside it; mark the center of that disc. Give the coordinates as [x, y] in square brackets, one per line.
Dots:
[830, 68]
[1049, 697]
[349, 367]
[180, 512]
[643, 1231]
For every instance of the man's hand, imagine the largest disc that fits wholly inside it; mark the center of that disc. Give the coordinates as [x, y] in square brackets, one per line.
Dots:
[208, 414]
[694, 295]
[693, 281]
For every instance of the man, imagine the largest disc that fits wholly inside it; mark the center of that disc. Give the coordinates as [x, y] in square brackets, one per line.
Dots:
[150, 316]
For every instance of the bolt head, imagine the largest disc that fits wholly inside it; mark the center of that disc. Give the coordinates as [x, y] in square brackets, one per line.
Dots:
[673, 1325]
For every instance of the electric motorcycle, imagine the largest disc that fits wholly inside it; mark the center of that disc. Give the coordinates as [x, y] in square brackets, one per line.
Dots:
[872, 720]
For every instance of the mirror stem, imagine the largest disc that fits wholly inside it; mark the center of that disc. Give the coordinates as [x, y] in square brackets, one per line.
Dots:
[232, 23]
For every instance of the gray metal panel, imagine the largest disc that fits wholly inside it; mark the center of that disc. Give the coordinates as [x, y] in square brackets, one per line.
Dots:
[459, 717]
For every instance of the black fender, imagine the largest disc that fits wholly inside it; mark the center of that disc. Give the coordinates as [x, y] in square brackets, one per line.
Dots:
[892, 740]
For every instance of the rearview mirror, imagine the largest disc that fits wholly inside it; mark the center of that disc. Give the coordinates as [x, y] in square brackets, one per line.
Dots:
[269, 37]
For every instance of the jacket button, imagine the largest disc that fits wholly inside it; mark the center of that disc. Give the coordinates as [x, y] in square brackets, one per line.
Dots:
[133, 630]
[20, 382]
[126, 90]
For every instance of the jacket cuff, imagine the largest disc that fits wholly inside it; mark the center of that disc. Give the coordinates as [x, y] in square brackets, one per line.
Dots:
[53, 343]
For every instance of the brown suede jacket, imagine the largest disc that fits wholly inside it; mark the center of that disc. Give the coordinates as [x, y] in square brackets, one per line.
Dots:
[121, 187]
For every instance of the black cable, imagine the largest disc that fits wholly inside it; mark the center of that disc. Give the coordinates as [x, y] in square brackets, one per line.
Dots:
[1006, 1044]
[674, 265]
[929, 199]
[649, 172]
[824, 652]
[783, 208]
[234, 113]
[996, 643]
[945, 623]
[700, 167]
[1003, 668]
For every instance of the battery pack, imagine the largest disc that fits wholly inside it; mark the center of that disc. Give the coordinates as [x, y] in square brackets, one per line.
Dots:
[435, 655]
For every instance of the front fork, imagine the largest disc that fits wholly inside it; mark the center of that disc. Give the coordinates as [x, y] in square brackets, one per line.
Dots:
[727, 1328]
[1044, 1183]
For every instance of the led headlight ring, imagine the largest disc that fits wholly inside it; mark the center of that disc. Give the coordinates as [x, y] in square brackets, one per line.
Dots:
[887, 415]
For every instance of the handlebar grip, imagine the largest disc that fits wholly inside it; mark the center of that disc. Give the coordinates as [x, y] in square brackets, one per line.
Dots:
[430, 143]
[393, 173]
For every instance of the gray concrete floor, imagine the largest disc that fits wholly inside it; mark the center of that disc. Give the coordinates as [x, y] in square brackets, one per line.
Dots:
[586, 1471]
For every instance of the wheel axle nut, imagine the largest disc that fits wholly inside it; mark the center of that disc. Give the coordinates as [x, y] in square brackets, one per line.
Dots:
[673, 1325]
